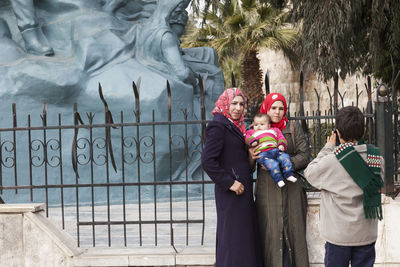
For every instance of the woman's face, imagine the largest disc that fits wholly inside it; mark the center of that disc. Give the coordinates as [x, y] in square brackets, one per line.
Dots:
[237, 107]
[276, 112]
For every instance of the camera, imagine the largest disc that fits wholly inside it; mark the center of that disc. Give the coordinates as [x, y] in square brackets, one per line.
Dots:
[337, 138]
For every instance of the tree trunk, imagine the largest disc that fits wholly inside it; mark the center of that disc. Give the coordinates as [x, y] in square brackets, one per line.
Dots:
[252, 82]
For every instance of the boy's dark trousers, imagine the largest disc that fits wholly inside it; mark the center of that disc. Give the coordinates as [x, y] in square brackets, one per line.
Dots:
[341, 256]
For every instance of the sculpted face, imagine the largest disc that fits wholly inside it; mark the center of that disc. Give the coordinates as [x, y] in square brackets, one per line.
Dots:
[178, 20]
[166, 8]
[276, 112]
[237, 107]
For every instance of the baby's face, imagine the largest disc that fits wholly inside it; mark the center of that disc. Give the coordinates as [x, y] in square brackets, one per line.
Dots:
[260, 124]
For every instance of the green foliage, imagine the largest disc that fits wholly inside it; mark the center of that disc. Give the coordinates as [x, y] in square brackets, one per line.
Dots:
[236, 27]
[231, 65]
[350, 36]
[345, 35]
[385, 39]
[333, 36]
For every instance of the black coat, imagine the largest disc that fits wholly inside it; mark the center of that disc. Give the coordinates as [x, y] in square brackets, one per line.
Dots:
[224, 156]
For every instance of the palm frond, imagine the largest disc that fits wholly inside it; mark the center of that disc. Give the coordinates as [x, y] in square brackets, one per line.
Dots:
[239, 30]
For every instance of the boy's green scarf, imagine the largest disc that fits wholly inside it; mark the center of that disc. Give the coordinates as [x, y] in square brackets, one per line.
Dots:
[365, 174]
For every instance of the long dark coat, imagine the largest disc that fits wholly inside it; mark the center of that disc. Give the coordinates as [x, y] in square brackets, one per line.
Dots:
[224, 155]
[282, 212]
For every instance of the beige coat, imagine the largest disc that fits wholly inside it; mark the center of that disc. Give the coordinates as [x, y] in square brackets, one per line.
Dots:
[342, 220]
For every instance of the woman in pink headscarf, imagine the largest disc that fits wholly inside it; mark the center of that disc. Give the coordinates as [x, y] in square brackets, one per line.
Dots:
[225, 159]
[281, 212]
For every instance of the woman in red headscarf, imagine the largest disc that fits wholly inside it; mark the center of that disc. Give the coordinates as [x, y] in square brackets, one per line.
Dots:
[225, 159]
[281, 212]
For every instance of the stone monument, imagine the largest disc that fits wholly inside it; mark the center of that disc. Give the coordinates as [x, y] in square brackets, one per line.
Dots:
[58, 51]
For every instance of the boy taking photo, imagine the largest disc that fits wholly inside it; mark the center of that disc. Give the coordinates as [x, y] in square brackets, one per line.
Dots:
[350, 177]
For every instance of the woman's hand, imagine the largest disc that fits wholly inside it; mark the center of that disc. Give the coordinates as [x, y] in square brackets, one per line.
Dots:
[237, 187]
[253, 155]
[252, 152]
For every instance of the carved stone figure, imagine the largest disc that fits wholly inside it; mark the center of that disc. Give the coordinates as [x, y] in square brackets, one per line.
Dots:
[10, 50]
[157, 46]
[201, 60]
[35, 41]
[103, 39]
[132, 10]
[112, 42]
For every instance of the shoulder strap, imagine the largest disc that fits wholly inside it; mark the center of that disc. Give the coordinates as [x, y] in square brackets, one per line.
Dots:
[292, 134]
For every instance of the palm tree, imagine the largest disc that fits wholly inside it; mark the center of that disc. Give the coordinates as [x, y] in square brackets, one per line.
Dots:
[237, 31]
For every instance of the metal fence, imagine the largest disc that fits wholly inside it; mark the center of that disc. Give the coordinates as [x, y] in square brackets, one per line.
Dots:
[115, 164]
[382, 124]
[321, 122]
[111, 182]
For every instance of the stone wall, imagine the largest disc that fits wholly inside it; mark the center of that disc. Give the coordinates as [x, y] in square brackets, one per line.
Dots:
[286, 81]
[27, 239]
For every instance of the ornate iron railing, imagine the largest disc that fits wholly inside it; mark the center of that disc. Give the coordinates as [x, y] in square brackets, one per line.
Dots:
[113, 182]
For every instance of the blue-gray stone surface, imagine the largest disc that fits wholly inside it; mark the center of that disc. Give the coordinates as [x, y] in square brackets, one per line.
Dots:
[99, 41]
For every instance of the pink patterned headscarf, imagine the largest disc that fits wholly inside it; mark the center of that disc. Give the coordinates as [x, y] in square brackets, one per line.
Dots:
[223, 103]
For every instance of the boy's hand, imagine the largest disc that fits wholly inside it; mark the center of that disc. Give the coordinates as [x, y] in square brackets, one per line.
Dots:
[281, 148]
[332, 139]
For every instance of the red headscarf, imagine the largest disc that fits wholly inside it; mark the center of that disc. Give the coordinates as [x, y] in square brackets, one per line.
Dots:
[224, 102]
[266, 106]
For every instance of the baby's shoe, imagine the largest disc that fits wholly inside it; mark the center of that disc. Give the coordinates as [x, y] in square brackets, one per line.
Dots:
[281, 183]
[292, 179]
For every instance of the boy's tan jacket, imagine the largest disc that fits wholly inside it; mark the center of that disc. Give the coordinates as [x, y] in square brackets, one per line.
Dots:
[342, 220]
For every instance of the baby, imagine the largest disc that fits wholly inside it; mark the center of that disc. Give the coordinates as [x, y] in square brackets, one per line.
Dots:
[273, 144]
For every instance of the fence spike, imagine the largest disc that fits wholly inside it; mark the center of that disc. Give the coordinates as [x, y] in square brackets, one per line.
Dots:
[137, 100]
[266, 82]
[14, 112]
[169, 100]
[109, 120]
[201, 86]
[335, 92]
[74, 156]
[102, 97]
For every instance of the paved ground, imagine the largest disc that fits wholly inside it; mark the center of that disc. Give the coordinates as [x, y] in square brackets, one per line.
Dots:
[100, 234]
[184, 234]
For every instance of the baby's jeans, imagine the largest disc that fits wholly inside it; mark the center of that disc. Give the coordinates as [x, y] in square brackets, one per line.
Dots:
[271, 160]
